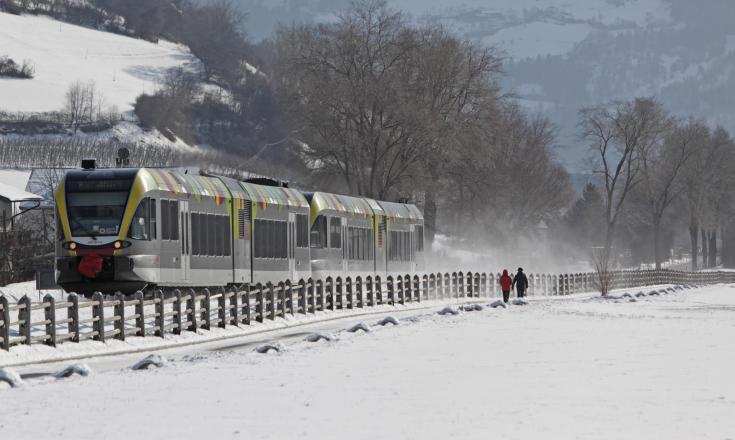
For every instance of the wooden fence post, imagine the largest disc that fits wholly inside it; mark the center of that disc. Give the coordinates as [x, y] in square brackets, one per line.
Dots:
[259, 303]
[246, 307]
[159, 320]
[310, 296]
[178, 326]
[50, 316]
[98, 314]
[222, 308]
[72, 314]
[407, 289]
[391, 290]
[191, 311]
[139, 314]
[401, 291]
[234, 306]
[288, 297]
[302, 296]
[359, 293]
[281, 301]
[425, 285]
[204, 306]
[370, 291]
[453, 286]
[338, 302]
[5, 326]
[349, 298]
[119, 311]
[378, 287]
[320, 295]
[329, 294]
[24, 319]
[270, 300]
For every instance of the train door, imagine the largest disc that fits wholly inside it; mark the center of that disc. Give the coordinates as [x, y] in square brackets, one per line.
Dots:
[412, 249]
[185, 239]
[345, 247]
[291, 245]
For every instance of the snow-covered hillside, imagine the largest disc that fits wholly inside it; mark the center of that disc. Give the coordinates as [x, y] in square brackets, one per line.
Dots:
[121, 67]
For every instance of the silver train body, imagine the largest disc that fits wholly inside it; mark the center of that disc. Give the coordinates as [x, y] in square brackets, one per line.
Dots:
[135, 229]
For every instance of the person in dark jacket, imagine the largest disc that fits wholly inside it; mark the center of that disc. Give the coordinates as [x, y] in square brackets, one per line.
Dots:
[505, 285]
[520, 282]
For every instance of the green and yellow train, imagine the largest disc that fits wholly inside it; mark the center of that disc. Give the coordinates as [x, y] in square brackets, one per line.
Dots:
[130, 229]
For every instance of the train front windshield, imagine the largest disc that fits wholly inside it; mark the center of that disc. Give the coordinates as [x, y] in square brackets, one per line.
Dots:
[96, 205]
[96, 214]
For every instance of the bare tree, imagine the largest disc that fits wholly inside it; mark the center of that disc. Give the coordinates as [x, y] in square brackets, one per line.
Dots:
[619, 135]
[372, 96]
[83, 104]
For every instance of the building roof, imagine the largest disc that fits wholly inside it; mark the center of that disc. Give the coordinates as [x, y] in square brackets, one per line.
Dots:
[12, 194]
[15, 178]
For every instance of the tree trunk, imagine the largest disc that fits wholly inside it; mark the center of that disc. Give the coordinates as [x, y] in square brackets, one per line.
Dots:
[429, 217]
[694, 240]
[705, 254]
[712, 248]
[657, 244]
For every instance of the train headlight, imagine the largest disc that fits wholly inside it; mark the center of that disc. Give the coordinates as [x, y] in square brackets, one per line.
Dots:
[69, 245]
[121, 244]
[72, 245]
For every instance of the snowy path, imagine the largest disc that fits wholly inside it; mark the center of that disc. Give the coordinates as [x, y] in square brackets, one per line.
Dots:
[575, 368]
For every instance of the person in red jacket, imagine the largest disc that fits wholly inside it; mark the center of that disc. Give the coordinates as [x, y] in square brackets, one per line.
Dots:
[505, 285]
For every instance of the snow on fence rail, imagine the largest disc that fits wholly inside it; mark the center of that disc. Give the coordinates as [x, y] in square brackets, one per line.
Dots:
[103, 318]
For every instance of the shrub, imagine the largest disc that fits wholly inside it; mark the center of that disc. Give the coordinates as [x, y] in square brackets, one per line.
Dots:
[10, 69]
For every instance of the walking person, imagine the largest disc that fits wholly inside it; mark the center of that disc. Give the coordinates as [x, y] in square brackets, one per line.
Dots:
[520, 282]
[505, 285]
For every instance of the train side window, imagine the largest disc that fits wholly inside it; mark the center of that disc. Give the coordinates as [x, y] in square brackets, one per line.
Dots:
[153, 221]
[335, 233]
[211, 236]
[302, 231]
[173, 206]
[218, 241]
[226, 234]
[140, 224]
[165, 231]
[319, 233]
[258, 239]
[194, 233]
[283, 234]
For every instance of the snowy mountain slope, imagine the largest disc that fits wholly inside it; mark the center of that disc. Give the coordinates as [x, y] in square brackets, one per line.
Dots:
[121, 67]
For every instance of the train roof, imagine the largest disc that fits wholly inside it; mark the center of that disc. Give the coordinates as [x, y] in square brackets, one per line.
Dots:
[274, 195]
[218, 187]
[401, 210]
[184, 183]
[341, 203]
[363, 206]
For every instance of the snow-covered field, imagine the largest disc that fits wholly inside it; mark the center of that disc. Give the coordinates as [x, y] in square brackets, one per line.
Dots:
[121, 67]
[566, 368]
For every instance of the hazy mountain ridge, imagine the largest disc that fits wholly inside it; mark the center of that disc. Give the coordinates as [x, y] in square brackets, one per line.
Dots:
[566, 54]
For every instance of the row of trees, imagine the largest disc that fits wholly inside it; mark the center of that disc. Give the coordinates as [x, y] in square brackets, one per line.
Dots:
[393, 110]
[653, 173]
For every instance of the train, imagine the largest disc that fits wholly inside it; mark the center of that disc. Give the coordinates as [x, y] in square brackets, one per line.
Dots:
[140, 229]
